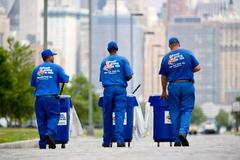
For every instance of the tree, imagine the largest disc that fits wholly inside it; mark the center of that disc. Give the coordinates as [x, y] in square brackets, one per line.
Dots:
[79, 93]
[6, 82]
[222, 118]
[18, 102]
[198, 116]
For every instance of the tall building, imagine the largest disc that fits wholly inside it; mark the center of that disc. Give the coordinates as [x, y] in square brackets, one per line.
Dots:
[201, 39]
[62, 34]
[175, 8]
[103, 32]
[229, 54]
[5, 27]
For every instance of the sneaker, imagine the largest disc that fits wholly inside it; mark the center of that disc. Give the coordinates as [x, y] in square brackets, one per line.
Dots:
[51, 142]
[121, 145]
[106, 145]
[177, 144]
[183, 140]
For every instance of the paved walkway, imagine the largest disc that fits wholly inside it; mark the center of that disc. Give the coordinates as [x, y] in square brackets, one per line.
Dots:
[215, 147]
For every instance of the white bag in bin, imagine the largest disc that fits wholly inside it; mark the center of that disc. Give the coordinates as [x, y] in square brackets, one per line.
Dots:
[75, 124]
[148, 119]
[138, 123]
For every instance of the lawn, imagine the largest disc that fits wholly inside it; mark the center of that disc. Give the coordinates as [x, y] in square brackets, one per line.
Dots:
[17, 134]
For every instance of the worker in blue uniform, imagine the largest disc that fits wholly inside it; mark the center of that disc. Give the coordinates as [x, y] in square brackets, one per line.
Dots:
[46, 78]
[115, 71]
[177, 70]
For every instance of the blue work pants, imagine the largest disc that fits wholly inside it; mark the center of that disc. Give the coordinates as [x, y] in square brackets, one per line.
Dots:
[181, 98]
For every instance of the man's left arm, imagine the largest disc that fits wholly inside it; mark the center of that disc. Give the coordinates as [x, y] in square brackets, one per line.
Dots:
[33, 81]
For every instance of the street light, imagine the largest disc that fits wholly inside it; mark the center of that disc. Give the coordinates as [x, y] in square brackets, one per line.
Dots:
[90, 130]
[45, 17]
[153, 46]
[144, 71]
[116, 22]
[131, 39]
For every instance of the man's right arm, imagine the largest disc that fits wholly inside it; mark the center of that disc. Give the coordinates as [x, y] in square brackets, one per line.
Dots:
[197, 68]
[128, 70]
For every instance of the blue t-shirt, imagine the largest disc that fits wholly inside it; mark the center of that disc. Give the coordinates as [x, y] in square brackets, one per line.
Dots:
[114, 71]
[178, 65]
[46, 78]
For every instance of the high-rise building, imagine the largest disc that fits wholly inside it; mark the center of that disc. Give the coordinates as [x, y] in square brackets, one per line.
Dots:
[62, 34]
[175, 8]
[229, 54]
[5, 27]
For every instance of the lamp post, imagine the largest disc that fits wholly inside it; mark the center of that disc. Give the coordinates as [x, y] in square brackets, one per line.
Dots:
[116, 22]
[90, 130]
[153, 46]
[45, 24]
[131, 40]
[144, 71]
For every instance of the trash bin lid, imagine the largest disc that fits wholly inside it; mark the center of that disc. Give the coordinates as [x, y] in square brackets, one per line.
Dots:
[157, 101]
[131, 101]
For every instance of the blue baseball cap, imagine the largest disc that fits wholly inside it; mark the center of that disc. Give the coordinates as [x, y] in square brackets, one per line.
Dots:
[173, 40]
[47, 52]
[112, 45]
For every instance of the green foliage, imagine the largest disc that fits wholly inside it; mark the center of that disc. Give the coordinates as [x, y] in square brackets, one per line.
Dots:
[238, 99]
[17, 134]
[16, 66]
[79, 92]
[222, 118]
[198, 116]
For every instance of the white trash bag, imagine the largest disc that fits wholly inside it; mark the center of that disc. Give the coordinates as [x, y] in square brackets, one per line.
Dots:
[138, 122]
[148, 119]
[75, 124]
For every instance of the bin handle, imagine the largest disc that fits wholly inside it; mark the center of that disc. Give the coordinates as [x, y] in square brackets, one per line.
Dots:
[136, 89]
[61, 88]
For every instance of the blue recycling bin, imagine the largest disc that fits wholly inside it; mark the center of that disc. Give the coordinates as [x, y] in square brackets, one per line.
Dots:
[62, 136]
[162, 126]
[128, 121]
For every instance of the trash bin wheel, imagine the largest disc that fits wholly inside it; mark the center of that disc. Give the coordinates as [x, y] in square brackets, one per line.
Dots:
[129, 143]
[158, 144]
[63, 146]
[170, 144]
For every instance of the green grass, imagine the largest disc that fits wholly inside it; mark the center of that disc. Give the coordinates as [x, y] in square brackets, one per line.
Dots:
[98, 133]
[17, 134]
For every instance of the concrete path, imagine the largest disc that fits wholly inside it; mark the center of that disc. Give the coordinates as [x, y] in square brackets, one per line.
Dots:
[214, 147]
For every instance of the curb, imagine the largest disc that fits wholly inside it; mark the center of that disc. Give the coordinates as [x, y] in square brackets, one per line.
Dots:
[20, 144]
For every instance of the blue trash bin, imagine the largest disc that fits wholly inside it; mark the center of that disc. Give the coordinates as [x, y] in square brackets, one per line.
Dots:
[62, 136]
[162, 126]
[128, 121]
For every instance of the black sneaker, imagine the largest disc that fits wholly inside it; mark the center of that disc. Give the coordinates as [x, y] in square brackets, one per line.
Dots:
[121, 145]
[106, 145]
[51, 142]
[183, 140]
[177, 144]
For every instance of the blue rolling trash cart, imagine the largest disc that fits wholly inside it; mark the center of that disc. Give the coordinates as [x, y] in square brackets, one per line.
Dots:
[62, 136]
[128, 120]
[162, 126]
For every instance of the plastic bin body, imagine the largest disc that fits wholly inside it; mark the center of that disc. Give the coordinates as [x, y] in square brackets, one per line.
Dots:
[128, 120]
[62, 136]
[162, 127]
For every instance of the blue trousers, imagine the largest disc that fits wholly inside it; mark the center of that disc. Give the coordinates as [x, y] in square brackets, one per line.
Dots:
[114, 99]
[47, 111]
[181, 103]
